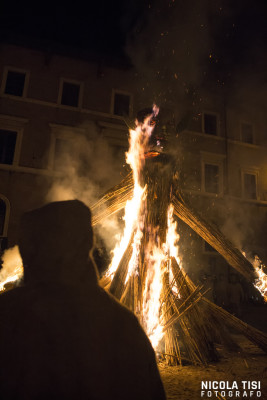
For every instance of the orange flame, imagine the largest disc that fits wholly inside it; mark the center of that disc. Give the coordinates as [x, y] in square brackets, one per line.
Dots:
[261, 282]
[12, 269]
[157, 257]
[172, 239]
[135, 157]
[152, 293]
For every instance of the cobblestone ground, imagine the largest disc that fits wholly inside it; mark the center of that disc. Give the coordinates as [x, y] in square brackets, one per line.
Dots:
[250, 364]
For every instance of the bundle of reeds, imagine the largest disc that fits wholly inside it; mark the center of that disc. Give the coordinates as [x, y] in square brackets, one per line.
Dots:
[172, 351]
[191, 320]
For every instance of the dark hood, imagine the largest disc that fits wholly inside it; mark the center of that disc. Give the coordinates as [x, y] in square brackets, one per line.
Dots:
[55, 241]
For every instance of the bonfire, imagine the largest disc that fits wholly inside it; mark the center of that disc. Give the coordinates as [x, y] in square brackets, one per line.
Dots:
[146, 272]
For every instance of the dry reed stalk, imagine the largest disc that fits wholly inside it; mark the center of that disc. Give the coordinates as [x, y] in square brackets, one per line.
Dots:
[183, 330]
[113, 201]
[168, 291]
[117, 286]
[179, 308]
[127, 297]
[192, 319]
[105, 282]
[190, 344]
[176, 317]
[190, 298]
[170, 343]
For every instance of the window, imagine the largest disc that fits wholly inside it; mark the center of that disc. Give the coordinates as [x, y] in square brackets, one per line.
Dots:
[121, 103]
[210, 124]
[211, 178]
[70, 94]
[15, 83]
[212, 166]
[11, 132]
[247, 133]
[7, 146]
[250, 185]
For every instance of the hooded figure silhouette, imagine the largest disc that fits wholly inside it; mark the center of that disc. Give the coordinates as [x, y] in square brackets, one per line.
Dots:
[61, 335]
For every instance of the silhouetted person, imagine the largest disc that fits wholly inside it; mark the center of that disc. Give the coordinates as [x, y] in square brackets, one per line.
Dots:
[61, 335]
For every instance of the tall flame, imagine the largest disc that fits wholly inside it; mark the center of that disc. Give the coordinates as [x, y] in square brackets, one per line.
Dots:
[133, 219]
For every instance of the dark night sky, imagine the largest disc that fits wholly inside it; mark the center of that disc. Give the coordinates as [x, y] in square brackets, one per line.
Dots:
[101, 28]
[215, 38]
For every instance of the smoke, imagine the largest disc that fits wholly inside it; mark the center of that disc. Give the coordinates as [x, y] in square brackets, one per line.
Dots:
[245, 226]
[88, 166]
